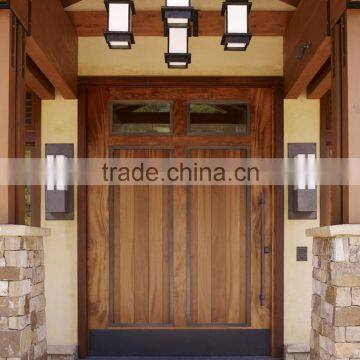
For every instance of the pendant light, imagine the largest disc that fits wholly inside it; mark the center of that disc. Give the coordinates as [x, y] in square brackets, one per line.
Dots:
[178, 56]
[118, 34]
[237, 35]
[180, 22]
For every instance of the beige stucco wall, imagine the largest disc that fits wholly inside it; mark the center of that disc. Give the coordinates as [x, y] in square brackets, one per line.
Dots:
[264, 58]
[59, 125]
[301, 124]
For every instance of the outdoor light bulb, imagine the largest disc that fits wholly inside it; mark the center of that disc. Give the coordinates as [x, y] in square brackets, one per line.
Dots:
[119, 19]
[61, 172]
[178, 3]
[50, 172]
[300, 172]
[311, 166]
[178, 39]
[236, 46]
[237, 19]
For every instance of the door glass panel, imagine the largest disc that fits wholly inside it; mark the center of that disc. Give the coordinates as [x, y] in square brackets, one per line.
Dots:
[141, 118]
[219, 118]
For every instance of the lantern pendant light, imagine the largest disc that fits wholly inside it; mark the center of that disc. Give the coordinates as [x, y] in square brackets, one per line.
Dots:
[180, 22]
[118, 34]
[177, 13]
[178, 56]
[237, 35]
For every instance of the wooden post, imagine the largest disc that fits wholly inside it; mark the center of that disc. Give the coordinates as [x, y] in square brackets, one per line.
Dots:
[12, 109]
[351, 109]
[346, 100]
[6, 209]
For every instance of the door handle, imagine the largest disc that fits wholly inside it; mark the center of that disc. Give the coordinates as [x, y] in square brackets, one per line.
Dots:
[264, 250]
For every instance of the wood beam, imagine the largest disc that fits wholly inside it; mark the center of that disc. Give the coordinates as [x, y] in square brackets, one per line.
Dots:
[66, 3]
[211, 23]
[6, 210]
[53, 45]
[307, 46]
[37, 82]
[349, 59]
[21, 9]
[337, 8]
[12, 110]
[321, 84]
[291, 2]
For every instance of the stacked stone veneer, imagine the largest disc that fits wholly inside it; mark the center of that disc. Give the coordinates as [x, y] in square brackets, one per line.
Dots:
[336, 293]
[22, 299]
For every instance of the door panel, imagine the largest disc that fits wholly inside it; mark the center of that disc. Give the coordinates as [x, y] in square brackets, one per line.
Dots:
[167, 265]
[141, 248]
[219, 250]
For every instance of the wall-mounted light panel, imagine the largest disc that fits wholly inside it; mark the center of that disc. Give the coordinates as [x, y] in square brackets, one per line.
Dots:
[59, 196]
[303, 195]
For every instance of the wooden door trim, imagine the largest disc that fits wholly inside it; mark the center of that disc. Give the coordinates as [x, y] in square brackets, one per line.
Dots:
[277, 332]
[277, 340]
[82, 231]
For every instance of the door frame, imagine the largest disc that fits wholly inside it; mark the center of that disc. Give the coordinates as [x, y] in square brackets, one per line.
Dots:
[276, 83]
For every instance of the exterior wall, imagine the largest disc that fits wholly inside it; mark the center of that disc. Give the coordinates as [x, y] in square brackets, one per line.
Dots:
[263, 58]
[302, 124]
[59, 125]
[302, 119]
[335, 303]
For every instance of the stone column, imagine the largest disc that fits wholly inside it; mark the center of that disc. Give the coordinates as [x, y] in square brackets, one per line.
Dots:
[22, 298]
[336, 293]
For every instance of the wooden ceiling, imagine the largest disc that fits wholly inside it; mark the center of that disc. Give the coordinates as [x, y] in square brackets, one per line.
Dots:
[67, 3]
[291, 2]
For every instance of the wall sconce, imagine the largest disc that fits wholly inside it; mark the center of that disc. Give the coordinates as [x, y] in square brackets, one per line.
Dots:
[237, 34]
[178, 16]
[303, 196]
[118, 34]
[59, 196]
[178, 56]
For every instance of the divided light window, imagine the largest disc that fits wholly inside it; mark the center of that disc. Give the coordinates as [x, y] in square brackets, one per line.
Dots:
[219, 118]
[137, 118]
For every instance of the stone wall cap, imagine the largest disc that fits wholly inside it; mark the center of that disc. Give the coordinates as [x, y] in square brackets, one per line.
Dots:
[22, 230]
[297, 348]
[334, 231]
[61, 349]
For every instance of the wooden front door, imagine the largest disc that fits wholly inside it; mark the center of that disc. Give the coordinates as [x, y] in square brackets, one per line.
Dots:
[176, 270]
